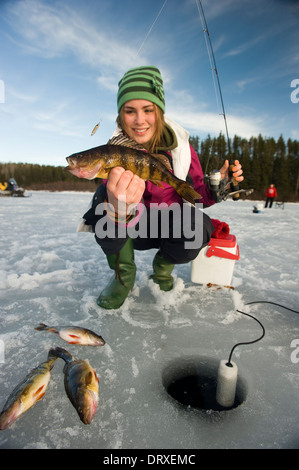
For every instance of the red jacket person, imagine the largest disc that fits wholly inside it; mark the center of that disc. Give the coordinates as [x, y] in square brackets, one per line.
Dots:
[271, 193]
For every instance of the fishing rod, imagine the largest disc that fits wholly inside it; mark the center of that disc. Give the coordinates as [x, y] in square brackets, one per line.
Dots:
[216, 184]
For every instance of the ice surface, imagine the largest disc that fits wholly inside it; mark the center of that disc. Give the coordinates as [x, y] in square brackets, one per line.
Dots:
[51, 274]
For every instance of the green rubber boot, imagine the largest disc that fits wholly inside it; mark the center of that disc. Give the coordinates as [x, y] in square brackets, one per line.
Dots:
[162, 272]
[122, 282]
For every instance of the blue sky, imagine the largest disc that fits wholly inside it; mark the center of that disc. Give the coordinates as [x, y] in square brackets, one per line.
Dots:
[61, 60]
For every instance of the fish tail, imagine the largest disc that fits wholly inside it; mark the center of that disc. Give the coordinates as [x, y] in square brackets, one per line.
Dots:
[60, 352]
[51, 359]
[41, 327]
[187, 192]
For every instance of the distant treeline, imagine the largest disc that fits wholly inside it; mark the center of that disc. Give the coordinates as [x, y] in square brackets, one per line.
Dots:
[44, 177]
[264, 161]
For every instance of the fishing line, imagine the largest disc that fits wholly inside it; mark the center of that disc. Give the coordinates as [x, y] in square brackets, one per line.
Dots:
[263, 329]
[206, 36]
[213, 65]
[150, 30]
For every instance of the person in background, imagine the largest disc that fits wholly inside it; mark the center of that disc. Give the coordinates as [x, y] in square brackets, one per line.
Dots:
[12, 185]
[271, 193]
[141, 108]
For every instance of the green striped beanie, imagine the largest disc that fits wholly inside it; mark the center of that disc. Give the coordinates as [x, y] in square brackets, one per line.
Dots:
[141, 83]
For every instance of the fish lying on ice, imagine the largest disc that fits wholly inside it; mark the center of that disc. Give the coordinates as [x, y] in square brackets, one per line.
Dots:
[27, 393]
[74, 334]
[81, 384]
[97, 162]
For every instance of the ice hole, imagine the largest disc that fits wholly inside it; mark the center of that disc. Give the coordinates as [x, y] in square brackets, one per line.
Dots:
[192, 381]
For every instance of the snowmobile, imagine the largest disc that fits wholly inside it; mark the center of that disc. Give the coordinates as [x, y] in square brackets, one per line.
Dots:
[11, 189]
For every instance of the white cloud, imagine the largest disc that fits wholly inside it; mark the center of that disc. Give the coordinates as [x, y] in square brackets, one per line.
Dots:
[211, 123]
[218, 9]
[242, 84]
[25, 97]
[196, 116]
[245, 46]
[54, 31]
[108, 82]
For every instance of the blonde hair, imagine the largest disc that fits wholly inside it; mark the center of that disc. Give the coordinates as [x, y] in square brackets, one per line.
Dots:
[156, 140]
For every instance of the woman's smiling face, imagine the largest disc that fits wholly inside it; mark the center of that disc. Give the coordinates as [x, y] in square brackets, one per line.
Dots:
[140, 120]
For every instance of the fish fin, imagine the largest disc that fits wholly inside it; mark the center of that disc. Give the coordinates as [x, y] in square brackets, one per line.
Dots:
[104, 172]
[41, 396]
[76, 339]
[157, 183]
[162, 159]
[38, 393]
[88, 378]
[123, 140]
[188, 193]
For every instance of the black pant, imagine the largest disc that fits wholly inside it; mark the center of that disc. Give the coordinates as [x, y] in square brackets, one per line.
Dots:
[178, 232]
[269, 201]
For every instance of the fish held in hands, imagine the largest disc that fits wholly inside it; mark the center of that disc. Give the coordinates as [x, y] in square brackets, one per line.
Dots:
[97, 162]
[74, 334]
[27, 393]
[81, 384]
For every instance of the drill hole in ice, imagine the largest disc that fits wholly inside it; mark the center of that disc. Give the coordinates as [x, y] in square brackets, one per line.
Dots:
[192, 382]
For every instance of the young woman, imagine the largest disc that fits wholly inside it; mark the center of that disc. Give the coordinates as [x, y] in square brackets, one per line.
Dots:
[132, 202]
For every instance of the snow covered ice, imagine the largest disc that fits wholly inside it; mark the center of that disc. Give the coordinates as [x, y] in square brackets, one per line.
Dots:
[52, 274]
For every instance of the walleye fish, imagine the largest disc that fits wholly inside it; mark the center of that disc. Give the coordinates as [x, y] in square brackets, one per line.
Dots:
[27, 393]
[97, 162]
[74, 334]
[81, 384]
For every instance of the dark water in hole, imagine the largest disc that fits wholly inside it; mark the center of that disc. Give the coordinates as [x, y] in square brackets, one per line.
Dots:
[198, 392]
[192, 381]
